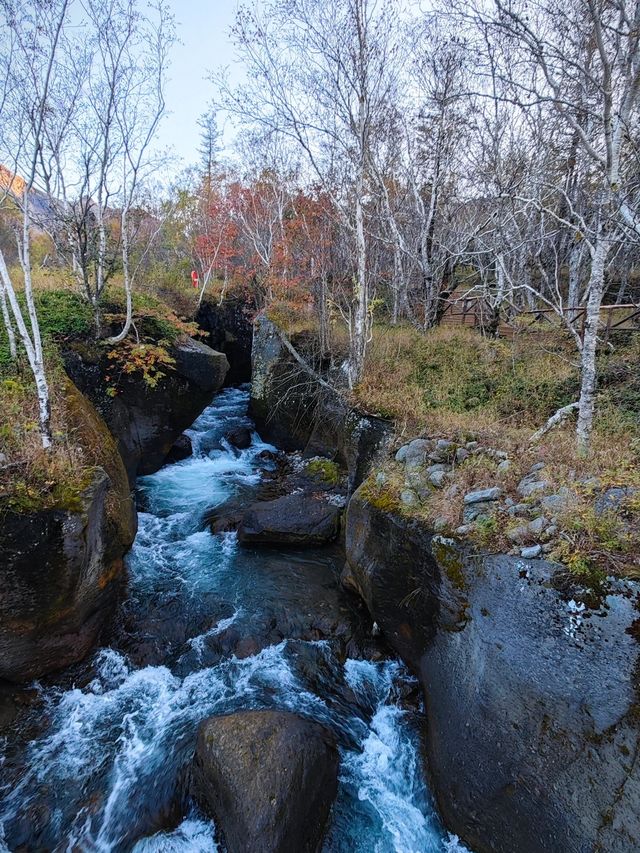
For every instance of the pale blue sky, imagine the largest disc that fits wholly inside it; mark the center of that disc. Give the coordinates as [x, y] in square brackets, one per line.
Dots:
[203, 29]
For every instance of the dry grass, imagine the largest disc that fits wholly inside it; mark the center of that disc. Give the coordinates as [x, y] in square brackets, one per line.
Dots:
[45, 279]
[455, 384]
[450, 383]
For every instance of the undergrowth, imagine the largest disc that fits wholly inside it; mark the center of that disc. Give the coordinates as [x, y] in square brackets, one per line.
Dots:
[30, 477]
[451, 383]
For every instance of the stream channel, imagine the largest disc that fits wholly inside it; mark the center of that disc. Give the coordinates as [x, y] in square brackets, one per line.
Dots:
[101, 759]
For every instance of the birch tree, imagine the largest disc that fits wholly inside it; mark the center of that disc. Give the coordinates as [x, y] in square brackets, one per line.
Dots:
[98, 158]
[139, 106]
[31, 72]
[320, 73]
[590, 47]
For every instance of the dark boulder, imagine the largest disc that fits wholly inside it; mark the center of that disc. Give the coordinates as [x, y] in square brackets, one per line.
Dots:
[239, 437]
[229, 329]
[181, 449]
[531, 695]
[225, 521]
[146, 420]
[61, 567]
[200, 365]
[298, 519]
[293, 410]
[267, 778]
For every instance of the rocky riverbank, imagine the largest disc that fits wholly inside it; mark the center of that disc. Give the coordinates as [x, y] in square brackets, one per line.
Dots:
[530, 685]
[144, 417]
[529, 672]
[62, 563]
[295, 409]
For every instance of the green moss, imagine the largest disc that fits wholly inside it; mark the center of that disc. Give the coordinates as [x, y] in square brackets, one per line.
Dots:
[64, 495]
[486, 529]
[384, 498]
[58, 478]
[101, 449]
[450, 560]
[324, 470]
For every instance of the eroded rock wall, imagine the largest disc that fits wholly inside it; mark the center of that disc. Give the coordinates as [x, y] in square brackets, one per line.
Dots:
[61, 568]
[531, 697]
[295, 411]
[146, 420]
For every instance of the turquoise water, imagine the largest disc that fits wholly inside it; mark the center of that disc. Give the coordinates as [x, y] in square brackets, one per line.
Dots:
[209, 627]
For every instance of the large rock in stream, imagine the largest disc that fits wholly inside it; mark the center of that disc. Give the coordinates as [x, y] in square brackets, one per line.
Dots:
[531, 695]
[302, 520]
[146, 420]
[267, 778]
[61, 567]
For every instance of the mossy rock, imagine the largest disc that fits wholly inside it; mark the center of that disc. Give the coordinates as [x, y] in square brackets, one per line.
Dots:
[381, 497]
[101, 451]
[324, 470]
[61, 554]
[450, 559]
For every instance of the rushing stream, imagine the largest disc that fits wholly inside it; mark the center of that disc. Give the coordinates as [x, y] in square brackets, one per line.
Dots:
[208, 628]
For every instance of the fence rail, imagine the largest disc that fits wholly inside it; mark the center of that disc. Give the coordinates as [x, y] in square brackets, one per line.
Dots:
[475, 312]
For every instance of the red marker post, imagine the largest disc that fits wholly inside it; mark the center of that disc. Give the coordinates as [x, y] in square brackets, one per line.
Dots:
[195, 280]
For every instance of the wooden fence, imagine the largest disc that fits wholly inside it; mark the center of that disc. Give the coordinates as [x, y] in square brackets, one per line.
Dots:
[475, 312]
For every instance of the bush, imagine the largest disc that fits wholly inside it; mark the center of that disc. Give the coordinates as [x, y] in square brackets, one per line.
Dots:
[62, 314]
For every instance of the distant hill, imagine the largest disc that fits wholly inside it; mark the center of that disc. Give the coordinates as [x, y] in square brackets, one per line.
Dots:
[39, 204]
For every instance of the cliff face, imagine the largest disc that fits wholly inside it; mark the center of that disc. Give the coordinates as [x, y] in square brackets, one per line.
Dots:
[295, 411]
[531, 695]
[229, 329]
[61, 568]
[145, 420]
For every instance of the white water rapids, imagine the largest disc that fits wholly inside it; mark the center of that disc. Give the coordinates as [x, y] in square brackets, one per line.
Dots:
[104, 766]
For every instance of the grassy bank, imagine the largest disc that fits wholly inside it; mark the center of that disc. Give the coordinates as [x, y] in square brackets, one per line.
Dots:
[454, 380]
[31, 478]
[453, 384]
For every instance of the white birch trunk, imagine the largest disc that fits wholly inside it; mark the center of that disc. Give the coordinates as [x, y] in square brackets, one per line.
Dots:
[399, 286]
[359, 321]
[34, 356]
[575, 261]
[590, 342]
[8, 325]
[323, 317]
[126, 274]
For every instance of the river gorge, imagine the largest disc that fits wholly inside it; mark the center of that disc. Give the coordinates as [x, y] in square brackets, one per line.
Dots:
[209, 627]
[286, 658]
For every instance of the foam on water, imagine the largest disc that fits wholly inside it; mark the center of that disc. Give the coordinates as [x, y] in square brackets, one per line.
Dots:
[194, 835]
[107, 772]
